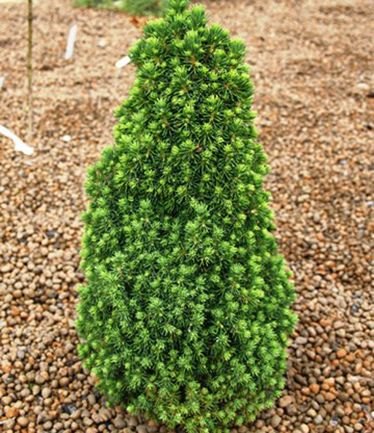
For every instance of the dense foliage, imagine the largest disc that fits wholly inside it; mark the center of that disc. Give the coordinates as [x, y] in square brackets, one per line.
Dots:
[135, 7]
[186, 310]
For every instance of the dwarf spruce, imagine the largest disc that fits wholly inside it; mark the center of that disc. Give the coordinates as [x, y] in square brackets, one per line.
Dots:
[185, 313]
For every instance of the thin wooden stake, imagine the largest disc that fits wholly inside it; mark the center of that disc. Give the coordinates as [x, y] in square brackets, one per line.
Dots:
[29, 75]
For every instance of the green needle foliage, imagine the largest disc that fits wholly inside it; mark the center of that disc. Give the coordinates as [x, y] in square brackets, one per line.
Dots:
[186, 311]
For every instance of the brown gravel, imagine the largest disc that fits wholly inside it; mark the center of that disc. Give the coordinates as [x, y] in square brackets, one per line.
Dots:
[311, 63]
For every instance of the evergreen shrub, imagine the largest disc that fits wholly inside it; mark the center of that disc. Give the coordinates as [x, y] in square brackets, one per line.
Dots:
[185, 313]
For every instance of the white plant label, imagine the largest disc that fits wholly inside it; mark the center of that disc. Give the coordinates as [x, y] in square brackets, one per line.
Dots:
[19, 145]
[72, 36]
[122, 62]
[2, 80]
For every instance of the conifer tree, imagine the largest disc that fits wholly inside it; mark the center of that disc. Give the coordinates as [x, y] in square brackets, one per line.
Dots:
[185, 313]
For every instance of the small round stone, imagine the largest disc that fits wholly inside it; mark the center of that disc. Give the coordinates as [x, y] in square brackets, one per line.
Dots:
[22, 421]
[275, 420]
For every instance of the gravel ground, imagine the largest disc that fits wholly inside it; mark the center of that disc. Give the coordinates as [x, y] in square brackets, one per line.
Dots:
[311, 63]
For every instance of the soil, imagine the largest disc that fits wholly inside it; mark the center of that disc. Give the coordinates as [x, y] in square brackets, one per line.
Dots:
[312, 64]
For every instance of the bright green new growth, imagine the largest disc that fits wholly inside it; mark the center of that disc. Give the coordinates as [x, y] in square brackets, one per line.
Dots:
[186, 311]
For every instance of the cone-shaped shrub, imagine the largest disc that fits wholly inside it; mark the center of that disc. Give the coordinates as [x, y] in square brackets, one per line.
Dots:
[186, 310]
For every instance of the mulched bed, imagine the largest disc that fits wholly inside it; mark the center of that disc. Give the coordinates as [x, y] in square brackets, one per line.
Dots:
[311, 63]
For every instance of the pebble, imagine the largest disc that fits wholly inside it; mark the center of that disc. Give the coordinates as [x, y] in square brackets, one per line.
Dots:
[47, 425]
[46, 392]
[11, 412]
[314, 388]
[275, 421]
[76, 414]
[87, 421]
[363, 86]
[22, 421]
[35, 389]
[6, 400]
[341, 353]
[66, 138]
[132, 421]
[101, 43]
[285, 401]
[91, 399]
[119, 422]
